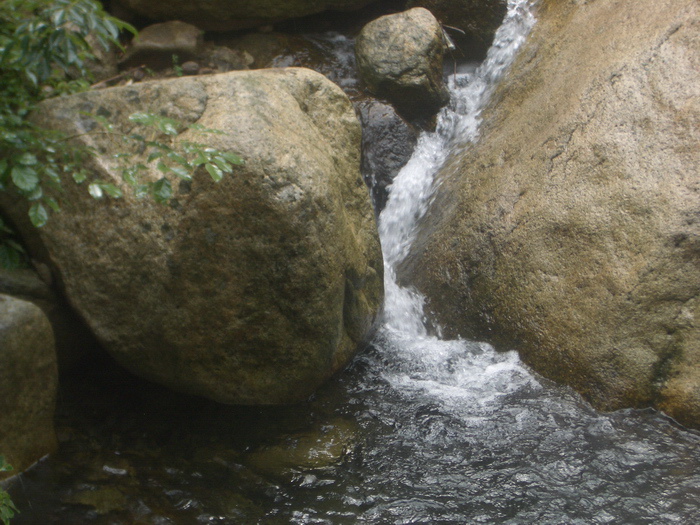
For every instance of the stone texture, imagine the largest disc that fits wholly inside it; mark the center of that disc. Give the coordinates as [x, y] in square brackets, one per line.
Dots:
[253, 290]
[399, 58]
[478, 21]
[571, 230]
[156, 45]
[387, 144]
[28, 383]
[235, 14]
[74, 341]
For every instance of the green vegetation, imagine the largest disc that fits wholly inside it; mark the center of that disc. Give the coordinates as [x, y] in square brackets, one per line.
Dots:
[45, 50]
[180, 161]
[7, 508]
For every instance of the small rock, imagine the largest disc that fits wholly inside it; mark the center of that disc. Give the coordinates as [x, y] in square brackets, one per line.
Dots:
[399, 58]
[158, 44]
[190, 68]
[387, 144]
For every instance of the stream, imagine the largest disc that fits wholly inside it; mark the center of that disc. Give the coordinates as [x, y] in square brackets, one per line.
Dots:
[417, 430]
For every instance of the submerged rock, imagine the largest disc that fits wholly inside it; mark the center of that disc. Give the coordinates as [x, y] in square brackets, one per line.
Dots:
[399, 58]
[320, 447]
[571, 230]
[253, 290]
[28, 384]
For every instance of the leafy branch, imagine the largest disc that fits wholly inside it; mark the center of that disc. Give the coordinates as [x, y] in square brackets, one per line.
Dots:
[179, 160]
[7, 507]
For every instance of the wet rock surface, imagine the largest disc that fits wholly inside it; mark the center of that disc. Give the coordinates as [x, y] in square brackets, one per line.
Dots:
[570, 230]
[399, 58]
[387, 144]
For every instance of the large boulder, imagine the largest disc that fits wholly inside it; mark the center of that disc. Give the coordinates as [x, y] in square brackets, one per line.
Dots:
[234, 14]
[253, 290]
[572, 228]
[471, 24]
[28, 384]
[399, 58]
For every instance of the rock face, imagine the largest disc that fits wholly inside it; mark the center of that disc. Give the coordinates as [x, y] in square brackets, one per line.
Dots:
[73, 340]
[235, 14]
[387, 144]
[399, 58]
[478, 21]
[28, 383]
[253, 290]
[571, 230]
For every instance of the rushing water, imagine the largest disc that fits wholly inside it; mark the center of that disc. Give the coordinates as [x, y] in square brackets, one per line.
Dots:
[418, 430]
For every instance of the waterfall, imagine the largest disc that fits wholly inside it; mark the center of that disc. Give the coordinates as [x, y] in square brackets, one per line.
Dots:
[463, 368]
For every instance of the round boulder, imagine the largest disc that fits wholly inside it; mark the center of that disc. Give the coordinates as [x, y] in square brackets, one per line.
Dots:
[399, 58]
[254, 290]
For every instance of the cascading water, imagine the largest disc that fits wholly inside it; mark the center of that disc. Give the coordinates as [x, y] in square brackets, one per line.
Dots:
[433, 431]
[465, 367]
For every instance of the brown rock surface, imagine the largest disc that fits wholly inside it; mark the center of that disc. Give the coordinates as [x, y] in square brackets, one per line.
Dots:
[571, 230]
[399, 58]
[253, 290]
[28, 383]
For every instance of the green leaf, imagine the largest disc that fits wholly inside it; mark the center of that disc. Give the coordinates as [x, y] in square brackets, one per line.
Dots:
[112, 190]
[51, 202]
[162, 190]
[214, 171]
[27, 159]
[162, 167]
[80, 176]
[146, 119]
[222, 164]
[25, 177]
[10, 259]
[181, 172]
[95, 190]
[36, 194]
[38, 215]
[153, 156]
[233, 158]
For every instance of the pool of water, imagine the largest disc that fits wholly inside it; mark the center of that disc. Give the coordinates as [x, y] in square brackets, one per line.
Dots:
[384, 442]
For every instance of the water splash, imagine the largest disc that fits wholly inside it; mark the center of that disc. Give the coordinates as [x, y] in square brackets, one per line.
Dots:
[450, 369]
